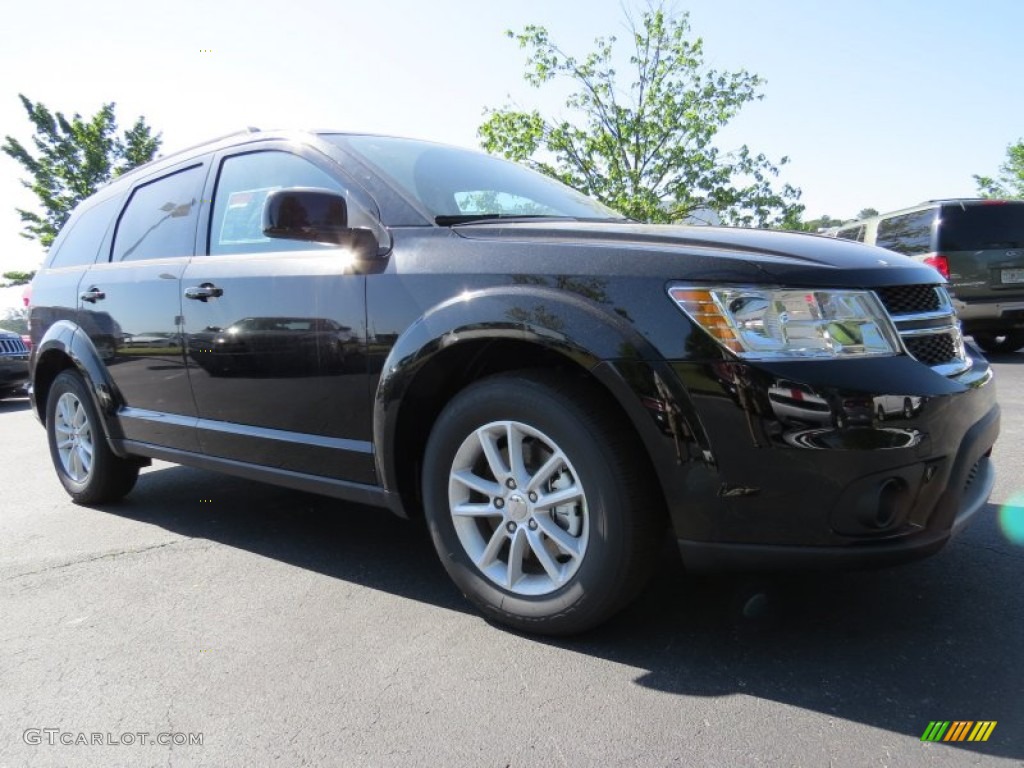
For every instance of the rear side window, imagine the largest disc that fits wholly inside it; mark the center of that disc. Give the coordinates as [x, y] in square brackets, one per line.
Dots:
[909, 234]
[83, 240]
[160, 219]
[981, 227]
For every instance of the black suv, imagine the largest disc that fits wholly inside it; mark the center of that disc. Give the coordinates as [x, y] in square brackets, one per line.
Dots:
[13, 364]
[552, 386]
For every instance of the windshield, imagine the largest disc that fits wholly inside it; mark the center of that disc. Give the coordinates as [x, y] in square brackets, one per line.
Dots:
[456, 186]
[981, 227]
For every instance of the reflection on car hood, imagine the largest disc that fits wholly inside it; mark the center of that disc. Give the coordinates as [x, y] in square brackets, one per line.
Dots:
[775, 253]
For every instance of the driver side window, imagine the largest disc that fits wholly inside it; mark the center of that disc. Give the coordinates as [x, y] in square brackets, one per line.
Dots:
[244, 181]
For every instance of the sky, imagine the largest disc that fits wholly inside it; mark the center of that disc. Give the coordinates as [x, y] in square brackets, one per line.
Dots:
[877, 104]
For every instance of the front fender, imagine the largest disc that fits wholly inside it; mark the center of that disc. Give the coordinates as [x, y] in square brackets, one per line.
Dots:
[569, 325]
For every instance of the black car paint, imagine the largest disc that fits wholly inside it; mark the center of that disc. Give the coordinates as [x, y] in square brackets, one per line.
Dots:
[590, 297]
[588, 318]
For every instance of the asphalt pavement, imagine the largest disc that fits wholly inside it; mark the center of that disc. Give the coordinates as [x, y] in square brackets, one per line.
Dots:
[247, 625]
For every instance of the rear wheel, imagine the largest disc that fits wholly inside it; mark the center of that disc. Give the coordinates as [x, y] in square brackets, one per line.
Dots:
[87, 468]
[537, 504]
[1000, 344]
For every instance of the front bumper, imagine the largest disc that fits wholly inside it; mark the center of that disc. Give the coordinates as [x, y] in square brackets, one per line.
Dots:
[13, 374]
[966, 494]
[817, 464]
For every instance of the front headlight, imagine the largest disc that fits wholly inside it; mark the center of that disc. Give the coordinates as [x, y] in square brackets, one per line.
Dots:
[781, 323]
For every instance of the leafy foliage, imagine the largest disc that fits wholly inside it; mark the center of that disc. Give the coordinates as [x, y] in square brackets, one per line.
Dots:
[1009, 185]
[647, 149]
[825, 221]
[18, 278]
[822, 222]
[73, 158]
[14, 319]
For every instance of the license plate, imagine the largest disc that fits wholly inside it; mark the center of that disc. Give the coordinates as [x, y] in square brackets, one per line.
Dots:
[1013, 276]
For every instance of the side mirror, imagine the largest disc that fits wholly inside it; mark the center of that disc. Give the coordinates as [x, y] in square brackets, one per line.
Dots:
[314, 215]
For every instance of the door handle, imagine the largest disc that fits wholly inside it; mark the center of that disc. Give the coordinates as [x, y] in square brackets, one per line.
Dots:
[93, 295]
[203, 292]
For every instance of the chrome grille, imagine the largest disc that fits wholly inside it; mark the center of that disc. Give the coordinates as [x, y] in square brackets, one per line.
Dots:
[927, 324]
[12, 345]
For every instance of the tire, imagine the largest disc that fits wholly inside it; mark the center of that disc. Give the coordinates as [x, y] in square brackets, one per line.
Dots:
[523, 558]
[1000, 344]
[73, 427]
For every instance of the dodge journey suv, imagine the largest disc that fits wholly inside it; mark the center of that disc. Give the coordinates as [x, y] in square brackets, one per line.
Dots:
[552, 387]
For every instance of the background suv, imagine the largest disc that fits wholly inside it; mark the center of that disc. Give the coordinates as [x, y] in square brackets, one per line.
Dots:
[14, 358]
[978, 245]
[552, 386]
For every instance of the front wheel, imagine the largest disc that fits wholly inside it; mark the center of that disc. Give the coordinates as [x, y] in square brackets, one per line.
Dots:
[1000, 344]
[89, 471]
[538, 505]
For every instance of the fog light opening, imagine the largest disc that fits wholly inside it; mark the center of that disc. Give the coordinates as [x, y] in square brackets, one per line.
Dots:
[891, 496]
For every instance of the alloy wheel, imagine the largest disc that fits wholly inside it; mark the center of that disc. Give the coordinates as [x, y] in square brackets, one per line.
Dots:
[519, 508]
[74, 437]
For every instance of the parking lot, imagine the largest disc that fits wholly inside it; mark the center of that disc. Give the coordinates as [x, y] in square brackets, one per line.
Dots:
[292, 629]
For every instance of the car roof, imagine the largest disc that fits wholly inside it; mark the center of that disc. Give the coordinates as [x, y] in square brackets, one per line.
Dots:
[233, 139]
[964, 202]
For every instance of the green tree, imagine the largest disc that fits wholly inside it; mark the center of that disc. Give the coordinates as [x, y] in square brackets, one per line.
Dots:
[867, 213]
[1010, 182]
[14, 319]
[18, 278]
[647, 148]
[73, 158]
[822, 222]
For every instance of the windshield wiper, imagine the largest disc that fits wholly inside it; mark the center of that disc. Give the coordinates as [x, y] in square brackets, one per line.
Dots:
[471, 218]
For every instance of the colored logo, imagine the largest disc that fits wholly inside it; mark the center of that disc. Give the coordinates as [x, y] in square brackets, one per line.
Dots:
[958, 730]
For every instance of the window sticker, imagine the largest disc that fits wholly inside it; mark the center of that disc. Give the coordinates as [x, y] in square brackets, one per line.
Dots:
[242, 223]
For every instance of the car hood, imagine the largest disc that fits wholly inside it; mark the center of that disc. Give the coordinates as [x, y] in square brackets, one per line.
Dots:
[781, 256]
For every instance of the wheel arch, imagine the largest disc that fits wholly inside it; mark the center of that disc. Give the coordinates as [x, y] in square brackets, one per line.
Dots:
[64, 346]
[488, 333]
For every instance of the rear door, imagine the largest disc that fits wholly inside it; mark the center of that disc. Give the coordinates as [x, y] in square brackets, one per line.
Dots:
[133, 292]
[276, 328]
[84, 238]
[984, 243]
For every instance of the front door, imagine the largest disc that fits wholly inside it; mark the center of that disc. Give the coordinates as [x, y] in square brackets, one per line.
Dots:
[275, 331]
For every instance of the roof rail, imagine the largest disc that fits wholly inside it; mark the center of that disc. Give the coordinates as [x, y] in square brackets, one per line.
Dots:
[246, 130]
[953, 200]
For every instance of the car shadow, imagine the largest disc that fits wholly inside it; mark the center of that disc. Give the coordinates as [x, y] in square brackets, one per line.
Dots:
[893, 649]
[355, 543]
[1013, 358]
[14, 404]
